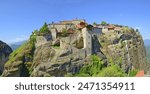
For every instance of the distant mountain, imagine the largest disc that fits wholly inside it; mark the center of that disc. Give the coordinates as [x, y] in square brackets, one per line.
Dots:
[5, 51]
[16, 45]
[147, 45]
[148, 53]
[147, 42]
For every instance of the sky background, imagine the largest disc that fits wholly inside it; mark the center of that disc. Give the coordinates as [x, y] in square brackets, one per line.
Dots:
[18, 18]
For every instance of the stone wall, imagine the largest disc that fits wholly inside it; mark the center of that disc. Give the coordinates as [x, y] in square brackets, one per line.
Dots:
[97, 31]
[87, 39]
[54, 34]
[59, 27]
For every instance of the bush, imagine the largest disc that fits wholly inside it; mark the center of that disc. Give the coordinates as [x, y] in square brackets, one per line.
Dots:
[97, 69]
[96, 65]
[93, 68]
[133, 73]
[94, 23]
[32, 39]
[44, 28]
[111, 71]
[103, 23]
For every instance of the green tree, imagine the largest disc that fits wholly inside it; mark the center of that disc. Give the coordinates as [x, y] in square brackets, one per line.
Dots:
[91, 69]
[133, 73]
[35, 31]
[44, 28]
[96, 68]
[94, 23]
[103, 23]
[111, 71]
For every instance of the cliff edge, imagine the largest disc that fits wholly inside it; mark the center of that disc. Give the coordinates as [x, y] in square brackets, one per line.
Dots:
[5, 51]
[75, 48]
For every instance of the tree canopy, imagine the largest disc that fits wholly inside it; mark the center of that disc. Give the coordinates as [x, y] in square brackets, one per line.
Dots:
[44, 28]
[94, 23]
[103, 23]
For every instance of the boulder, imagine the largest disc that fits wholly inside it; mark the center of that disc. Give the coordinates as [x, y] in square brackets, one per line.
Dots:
[5, 51]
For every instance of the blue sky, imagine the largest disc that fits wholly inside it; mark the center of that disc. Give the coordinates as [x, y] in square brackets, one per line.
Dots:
[18, 18]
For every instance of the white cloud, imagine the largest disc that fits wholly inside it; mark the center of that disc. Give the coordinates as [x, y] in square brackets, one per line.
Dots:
[18, 39]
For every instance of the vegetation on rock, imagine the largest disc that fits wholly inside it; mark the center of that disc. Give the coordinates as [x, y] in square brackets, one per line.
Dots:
[44, 28]
[94, 23]
[42, 31]
[22, 56]
[132, 73]
[97, 68]
[114, 54]
[103, 23]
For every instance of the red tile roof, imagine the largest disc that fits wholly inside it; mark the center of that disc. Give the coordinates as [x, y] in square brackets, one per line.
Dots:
[81, 25]
[111, 26]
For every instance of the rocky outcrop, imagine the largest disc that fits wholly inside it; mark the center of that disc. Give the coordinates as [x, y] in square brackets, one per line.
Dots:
[20, 61]
[67, 55]
[68, 58]
[5, 51]
[127, 49]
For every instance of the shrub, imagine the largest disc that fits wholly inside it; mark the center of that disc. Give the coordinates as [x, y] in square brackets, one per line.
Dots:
[93, 68]
[133, 73]
[96, 68]
[32, 39]
[112, 71]
[44, 28]
[103, 23]
[94, 23]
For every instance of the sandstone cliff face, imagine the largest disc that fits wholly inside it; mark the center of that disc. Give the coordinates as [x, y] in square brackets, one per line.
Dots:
[67, 55]
[126, 48]
[5, 51]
